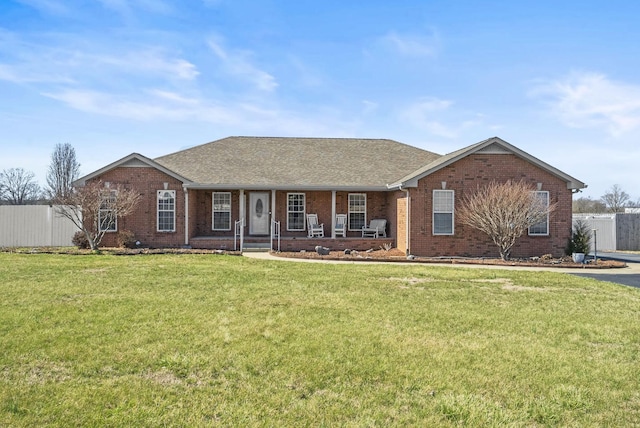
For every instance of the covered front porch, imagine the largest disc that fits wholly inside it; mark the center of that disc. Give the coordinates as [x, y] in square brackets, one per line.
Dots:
[276, 219]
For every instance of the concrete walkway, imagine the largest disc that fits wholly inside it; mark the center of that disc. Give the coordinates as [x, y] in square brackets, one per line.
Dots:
[631, 269]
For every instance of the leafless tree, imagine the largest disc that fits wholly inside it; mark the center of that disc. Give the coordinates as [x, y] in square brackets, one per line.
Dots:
[62, 172]
[96, 208]
[588, 205]
[615, 199]
[504, 211]
[17, 186]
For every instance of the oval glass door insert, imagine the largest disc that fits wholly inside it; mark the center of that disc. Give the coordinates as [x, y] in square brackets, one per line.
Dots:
[259, 208]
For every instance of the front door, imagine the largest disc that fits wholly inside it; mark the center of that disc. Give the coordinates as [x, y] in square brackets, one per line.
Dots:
[259, 213]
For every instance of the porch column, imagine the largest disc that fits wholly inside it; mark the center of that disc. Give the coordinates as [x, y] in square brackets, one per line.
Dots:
[273, 206]
[186, 216]
[333, 214]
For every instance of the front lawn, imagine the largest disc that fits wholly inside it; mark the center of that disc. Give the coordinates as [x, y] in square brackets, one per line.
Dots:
[211, 340]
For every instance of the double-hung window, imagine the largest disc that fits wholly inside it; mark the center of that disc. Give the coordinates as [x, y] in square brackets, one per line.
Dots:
[295, 211]
[541, 228]
[221, 211]
[107, 219]
[443, 205]
[357, 210]
[166, 210]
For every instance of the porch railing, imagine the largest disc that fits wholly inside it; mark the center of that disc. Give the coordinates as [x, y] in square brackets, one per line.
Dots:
[275, 234]
[238, 234]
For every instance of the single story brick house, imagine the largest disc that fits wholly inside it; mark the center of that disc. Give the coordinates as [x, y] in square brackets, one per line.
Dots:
[257, 191]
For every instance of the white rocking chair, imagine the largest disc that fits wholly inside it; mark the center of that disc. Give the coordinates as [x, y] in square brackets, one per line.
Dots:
[376, 228]
[315, 229]
[341, 225]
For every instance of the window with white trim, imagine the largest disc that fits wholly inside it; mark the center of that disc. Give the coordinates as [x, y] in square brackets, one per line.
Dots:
[357, 211]
[107, 219]
[443, 205]
[542, 228]
[221, 211]
[295, 211]
[166, 211]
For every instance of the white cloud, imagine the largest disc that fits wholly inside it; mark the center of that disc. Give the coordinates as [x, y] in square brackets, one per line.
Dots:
[53, 7]
[158, 104]
[369, 107]
[70, 61]
[592, 100]
[426, 115]
[126, 8]
[161, 106]
[17, 74]
[436, 116]
[412, 45]
[305, 75]
[238, 64]
[173, 97]
[150, 60]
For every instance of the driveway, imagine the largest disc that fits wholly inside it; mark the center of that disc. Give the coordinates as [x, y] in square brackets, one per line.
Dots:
[629, 276]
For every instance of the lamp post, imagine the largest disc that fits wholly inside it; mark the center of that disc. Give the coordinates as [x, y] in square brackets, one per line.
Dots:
[595, 246]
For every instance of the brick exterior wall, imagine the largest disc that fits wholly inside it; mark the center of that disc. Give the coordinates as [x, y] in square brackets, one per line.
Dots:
[143, 222]
[464, 177]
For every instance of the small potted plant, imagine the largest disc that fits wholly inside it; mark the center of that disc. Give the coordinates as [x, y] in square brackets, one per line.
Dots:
[580, 242]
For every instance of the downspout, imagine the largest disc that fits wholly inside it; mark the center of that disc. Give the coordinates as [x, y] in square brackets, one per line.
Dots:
[186, 216]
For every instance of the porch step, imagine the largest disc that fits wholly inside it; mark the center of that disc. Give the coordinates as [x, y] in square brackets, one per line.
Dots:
[256, 247]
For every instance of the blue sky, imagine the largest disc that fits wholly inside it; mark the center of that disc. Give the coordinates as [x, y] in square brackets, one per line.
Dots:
[559, 79]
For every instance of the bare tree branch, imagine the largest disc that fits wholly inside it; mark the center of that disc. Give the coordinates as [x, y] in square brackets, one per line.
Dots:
[504, 211]
[17, 186]
[615, 199]
[62, 172]
[94, 208]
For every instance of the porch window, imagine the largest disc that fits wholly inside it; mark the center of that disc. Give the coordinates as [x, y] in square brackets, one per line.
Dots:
[295, 211]
[443, 204]
[107, 219]
[542, 228]
[221, 210]
[166, 210]
[357, 210]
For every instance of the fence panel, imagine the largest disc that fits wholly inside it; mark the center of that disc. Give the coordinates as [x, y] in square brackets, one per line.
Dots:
[34, 226]
[605, 226]
[628, 232]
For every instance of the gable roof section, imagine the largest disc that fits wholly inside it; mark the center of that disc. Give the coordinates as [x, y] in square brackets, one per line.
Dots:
[493, 145]
[296, 163]
[132, 160]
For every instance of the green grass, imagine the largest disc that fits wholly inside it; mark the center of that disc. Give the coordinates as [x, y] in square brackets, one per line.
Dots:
[205, 340]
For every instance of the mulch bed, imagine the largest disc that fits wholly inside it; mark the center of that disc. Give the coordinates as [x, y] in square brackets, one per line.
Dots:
[116, 251]
[380, 255]
[395, 255]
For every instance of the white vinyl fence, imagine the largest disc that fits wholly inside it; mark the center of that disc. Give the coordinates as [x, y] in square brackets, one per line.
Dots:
[34, 226]
[619, 232]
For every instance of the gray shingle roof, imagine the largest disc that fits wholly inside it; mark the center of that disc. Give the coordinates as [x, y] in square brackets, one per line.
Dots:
[493, 145]
[285, 162]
